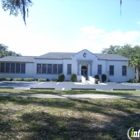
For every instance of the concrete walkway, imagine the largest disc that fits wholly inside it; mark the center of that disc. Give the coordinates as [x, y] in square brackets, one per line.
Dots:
[78, 96]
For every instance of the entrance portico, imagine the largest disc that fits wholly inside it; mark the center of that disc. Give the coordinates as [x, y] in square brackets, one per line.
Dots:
[84, 68]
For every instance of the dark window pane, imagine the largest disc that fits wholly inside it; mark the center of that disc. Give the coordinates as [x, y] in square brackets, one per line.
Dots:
[100, 69]
[54, 68]
[111, 71]
[44, 69]
[2, 67]
[38, 68]
[17, 67]
[12, 67]
[68, 68]
[49, 68]
[7, 67]
[60, 68]
[23, 66]
[124, 70]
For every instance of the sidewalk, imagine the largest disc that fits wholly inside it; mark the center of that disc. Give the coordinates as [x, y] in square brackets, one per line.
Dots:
[78, 96]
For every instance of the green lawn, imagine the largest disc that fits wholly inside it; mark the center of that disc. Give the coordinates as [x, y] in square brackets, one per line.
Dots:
[34, 91]
[67, 119]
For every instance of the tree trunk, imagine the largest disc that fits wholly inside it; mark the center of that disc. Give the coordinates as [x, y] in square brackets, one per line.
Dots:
[137, 74]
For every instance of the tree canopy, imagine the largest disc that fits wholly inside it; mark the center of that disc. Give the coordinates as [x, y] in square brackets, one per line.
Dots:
[16, 6]
[133, 53]
[4, 51]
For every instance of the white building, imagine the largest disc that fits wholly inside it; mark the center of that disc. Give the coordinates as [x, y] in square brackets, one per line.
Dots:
[84, 63]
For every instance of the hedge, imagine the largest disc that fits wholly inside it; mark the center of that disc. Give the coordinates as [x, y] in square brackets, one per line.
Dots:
[41, 80]
[28, 79]
[17, 79]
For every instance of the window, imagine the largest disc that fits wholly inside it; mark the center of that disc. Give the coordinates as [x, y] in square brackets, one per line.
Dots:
[44, 68]
[2, 67]
[22, 67]
[54, 68]
[124, 72]
[49, 68]
[17, 67]
[12, 67]
[38, 68]
[111, 70]
[68, 68]
[7, 67]
[60, 68]
[99, 69]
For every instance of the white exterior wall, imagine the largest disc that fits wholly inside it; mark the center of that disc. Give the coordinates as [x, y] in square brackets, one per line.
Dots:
[45, 61]
[77, 60]
[28, 73]
[117, 77]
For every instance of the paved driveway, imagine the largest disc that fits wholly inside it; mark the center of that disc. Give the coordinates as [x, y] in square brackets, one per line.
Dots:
[69, 85]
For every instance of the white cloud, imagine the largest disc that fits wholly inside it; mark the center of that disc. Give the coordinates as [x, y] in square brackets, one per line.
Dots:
[97, 39]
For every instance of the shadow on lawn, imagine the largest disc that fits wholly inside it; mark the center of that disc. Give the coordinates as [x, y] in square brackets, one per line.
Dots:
[48, 126]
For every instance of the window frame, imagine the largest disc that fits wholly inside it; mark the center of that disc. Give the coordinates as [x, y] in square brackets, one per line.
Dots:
[124, 71]
[69, 69]
[111, 70]
[99, 69]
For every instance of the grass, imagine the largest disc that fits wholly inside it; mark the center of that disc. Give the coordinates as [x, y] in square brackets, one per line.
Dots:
[67, 119]
[56, 92]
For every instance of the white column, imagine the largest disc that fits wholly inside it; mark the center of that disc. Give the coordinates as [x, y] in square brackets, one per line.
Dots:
[79, 69]
[89, 73]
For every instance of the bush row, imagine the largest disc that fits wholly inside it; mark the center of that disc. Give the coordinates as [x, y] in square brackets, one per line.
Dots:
[103, 77]
[61, 77]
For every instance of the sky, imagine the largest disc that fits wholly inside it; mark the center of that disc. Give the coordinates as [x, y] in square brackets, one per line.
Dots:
[71, 26]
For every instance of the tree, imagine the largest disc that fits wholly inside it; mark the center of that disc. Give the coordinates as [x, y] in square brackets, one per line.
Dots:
[111, 50]
[133, 53]
[4, 51]
[17, 5]
[135, 60]
[125, 50]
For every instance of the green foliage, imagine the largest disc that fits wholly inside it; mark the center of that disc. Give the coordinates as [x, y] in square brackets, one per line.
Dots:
[16, 6]
[17, 79]
[4, 51]
[96, 76]
[104, 77]
[54, 80]
[61, 77]
[73, 77]
[41, 80]
[96, 81]
[5, 79]
[28, 79]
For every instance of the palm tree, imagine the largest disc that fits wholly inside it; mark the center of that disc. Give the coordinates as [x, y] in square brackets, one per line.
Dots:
[135, 60]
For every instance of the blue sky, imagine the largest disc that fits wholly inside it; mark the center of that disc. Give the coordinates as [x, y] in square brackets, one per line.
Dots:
[72, 25]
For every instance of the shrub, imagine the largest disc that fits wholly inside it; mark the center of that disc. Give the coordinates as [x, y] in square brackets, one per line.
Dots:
[96, 76]
[5, 79]
[29, 79]
[96, 81]
[73, 77]
[8, 79]
[104, 77]
[54, 80]
[61, 77]
[41, 80]
[17, 79]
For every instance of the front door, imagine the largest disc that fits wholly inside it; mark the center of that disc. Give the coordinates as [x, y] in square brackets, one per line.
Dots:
[84, 71]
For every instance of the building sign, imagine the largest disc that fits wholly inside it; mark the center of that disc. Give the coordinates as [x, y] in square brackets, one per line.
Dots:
[84, 54]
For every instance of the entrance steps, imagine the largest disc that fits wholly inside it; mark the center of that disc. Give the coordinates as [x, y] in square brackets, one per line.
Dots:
[87, 82]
